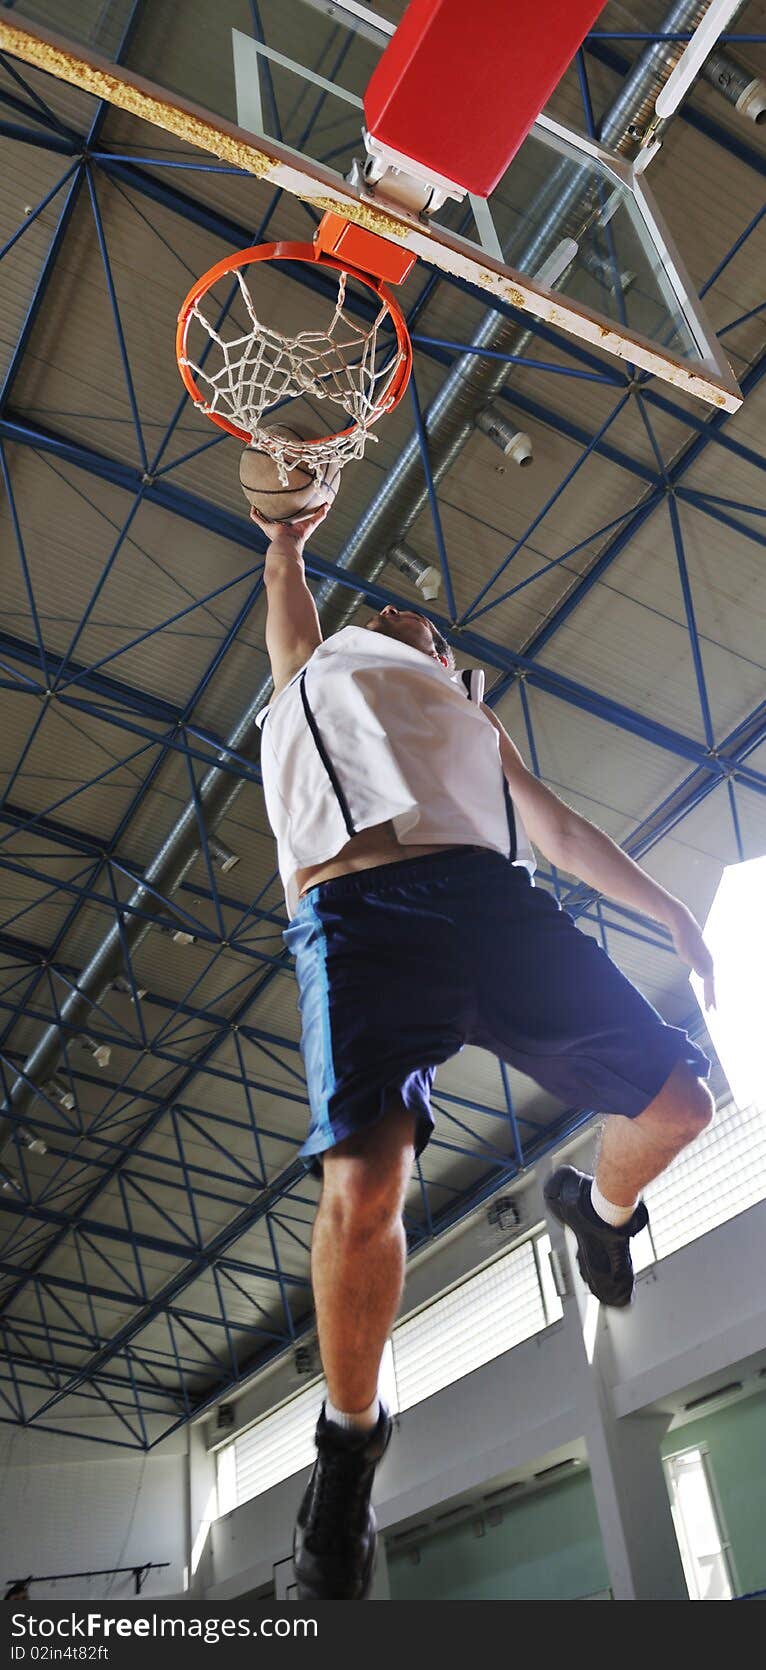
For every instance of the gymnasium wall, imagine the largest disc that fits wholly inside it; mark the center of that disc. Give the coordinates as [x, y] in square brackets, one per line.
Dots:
[548, 1546]
[71, 1506]
[691, 1329]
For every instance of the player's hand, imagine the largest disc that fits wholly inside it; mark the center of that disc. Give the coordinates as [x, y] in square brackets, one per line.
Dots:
[295, 532]
[691, 948]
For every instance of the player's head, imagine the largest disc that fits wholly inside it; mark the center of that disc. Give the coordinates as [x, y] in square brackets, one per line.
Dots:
[407, 626]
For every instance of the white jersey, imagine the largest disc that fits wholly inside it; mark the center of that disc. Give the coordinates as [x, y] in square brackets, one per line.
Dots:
[372, 731]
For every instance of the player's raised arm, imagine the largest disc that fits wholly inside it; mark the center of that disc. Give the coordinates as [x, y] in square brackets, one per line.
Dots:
[292, 623]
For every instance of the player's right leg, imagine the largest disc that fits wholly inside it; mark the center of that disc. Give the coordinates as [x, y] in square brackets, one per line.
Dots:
[357, 1267]
[382, 1001]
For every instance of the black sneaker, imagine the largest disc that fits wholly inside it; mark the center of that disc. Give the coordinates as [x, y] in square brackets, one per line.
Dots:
[603, 1252]
[336, 1532]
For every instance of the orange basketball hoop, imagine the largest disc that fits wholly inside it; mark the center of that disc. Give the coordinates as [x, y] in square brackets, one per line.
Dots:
[346, 363]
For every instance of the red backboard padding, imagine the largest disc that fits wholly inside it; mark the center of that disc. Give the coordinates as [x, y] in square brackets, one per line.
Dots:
[461, 81]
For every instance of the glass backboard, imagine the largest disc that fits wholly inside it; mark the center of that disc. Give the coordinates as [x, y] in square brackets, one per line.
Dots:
[275, 87]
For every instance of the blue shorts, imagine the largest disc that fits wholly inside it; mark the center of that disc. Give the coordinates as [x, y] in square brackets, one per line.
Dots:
[400, 966]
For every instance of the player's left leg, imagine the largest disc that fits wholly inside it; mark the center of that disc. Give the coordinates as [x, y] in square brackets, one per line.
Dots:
[604, 1212]
[635, 1151]
[554, 1005]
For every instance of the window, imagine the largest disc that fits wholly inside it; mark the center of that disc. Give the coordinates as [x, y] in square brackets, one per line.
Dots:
[704, 1552]
[276, 1447]
[485, 1315]
[719, 1175]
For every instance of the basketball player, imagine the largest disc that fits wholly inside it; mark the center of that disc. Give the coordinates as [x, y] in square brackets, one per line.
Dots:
[404, 815]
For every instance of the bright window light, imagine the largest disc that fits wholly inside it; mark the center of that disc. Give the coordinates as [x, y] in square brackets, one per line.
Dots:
[227, 1479]
[720, 1175]
[387, 1386]
[590, 1325]
[736, 932]
[486, 1315]
[278, 1445]
[203, 1530]
[553, 1306]
[700, 1540]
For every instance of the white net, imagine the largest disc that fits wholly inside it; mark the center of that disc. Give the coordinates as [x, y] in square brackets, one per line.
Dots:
[344, 367]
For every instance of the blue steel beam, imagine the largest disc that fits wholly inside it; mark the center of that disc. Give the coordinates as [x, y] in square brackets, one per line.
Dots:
[691, 620]
[117, 1382]
[65, 217]
[149, 1124]
[101, 1230]
[675, 474]
[433, 501]
[113, 703]
[274, 1192]
[643, 509]
[740, 742]
[38, 295]
[235, 528]
[153, 1360]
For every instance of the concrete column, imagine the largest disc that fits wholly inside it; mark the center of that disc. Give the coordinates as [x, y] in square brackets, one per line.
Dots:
[632, 1501]
[201, 1508]
[633, 1505]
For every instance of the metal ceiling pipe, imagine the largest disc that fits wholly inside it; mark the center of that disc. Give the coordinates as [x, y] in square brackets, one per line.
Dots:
[450, 422]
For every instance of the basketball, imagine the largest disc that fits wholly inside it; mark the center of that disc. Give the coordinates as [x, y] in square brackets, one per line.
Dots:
[307, 486]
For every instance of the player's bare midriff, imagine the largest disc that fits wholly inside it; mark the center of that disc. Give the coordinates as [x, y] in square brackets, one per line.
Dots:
[365, 851]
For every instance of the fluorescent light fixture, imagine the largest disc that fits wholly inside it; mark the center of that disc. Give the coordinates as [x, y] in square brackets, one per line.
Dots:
[717, 16]
[33, 1143]
[514, 443]
[101, 1053]
[421, 573]
[223, 855]
[58, 1087]
[735, 931]
[120, 984]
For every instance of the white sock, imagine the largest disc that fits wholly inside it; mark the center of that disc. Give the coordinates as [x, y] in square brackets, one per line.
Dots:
[614, 1215]
[362, 1420]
